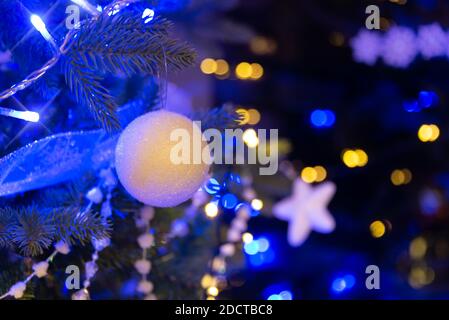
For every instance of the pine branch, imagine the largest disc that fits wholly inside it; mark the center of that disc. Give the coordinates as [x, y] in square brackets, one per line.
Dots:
[88, 90]
[71, 226]
[33, 230]
[125, 44]
[220, 118]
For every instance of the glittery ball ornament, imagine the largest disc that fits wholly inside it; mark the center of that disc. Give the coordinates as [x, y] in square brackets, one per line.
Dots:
[147, 159]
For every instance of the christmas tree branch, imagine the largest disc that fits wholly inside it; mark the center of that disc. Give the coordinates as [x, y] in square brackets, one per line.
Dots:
[33, 230]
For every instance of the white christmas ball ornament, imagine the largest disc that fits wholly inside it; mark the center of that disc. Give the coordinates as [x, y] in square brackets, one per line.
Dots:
[144, 159]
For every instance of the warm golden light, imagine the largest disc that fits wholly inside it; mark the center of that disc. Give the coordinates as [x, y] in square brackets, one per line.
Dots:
[254, 116]
[244, 116]
[208, 66]
[247, 237]
[321, 173]
[350, 158]
[428, 132]
[212, 291]
[250, 138]
[211, 210]
[243, 70]
[309, 174]
[362, 157]
[256, 71]
[222, 67]
[257, 204]
[418, 248]
[377, 229]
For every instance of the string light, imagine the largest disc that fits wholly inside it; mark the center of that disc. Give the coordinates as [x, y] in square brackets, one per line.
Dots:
[247, 237]
[350, 158]
[208, 66]
[256, 71]
[23, 115]
[254, 116]
[354, 158]
[222, 67]
[322, 118]
[250, 138]
[400, 176]
[244, 116]
[211, 210]
[243, 70]
[377, 229]
[428, 132]
[39, 25]
[88, 7]
[257, 204]
[309, 174]
[262, 45]
[213, 291]
[418, 248]
[148, 15]
[321, 173]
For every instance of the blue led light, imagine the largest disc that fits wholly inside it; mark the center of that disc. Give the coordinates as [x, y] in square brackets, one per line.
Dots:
[229, 201]
[411, 106]
[350, 280]
[322, 118]
[339, 285]
[264, 244]
[344, 283]
[427, 99]
[275, 297]
[252, 247]
[212, 186]
[148, 15]
[286, 295]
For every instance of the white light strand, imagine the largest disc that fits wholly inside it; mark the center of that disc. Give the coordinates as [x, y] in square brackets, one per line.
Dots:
[234, 235]
[145, 241]
[95, 195]
[40, 270]
[87, 6]
[22, 115]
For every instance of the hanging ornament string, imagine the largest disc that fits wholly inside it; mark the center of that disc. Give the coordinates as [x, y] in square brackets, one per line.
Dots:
[39, 270]
[215, 280]
[95, 195]
[145, 241]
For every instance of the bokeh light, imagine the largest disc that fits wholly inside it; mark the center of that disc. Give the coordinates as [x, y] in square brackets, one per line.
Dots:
[377, 229]
[256, 71]
[322, 118]
[247, 237]
[243, 70]
[428, 132]
[254, 116]
[257, 204]
[309, 174]
[208, 66]
[400, 177]
[250, 138]
[222, 67]
[211, 210]
[418, 248]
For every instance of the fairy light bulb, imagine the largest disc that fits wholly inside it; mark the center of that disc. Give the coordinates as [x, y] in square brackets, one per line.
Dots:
[88, 7]
[29, 116]
[211, 210]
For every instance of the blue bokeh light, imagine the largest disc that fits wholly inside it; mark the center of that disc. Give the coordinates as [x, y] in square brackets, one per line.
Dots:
[322, 118]
[251, 248]
[341, 284]
[229, 201]
[212, 186]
